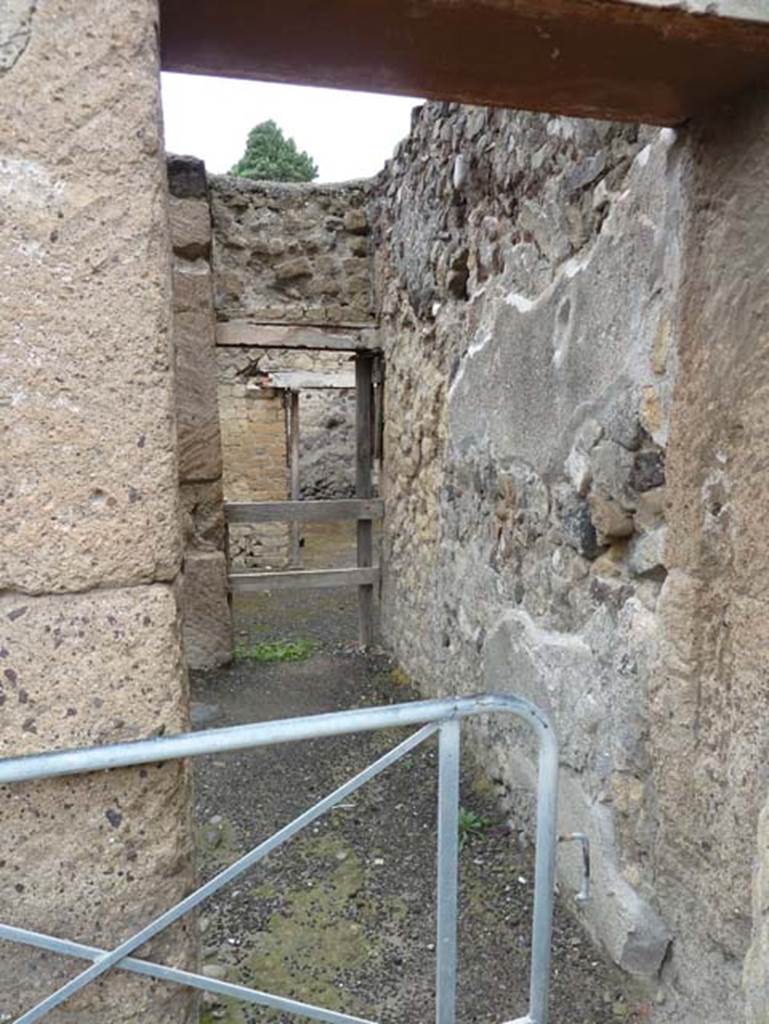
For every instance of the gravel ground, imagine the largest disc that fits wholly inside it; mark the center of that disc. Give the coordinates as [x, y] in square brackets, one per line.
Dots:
[343, 915]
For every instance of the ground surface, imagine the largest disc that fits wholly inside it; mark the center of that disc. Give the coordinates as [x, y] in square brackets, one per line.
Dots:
[343, 916]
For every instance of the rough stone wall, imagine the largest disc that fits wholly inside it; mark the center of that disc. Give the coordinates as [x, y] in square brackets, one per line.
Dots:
[526, 269]
[577, 402]
[207, 627]
[288, 253]
[90, 545]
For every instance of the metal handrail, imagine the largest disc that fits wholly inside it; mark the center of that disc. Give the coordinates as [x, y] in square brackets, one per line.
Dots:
[442, 716]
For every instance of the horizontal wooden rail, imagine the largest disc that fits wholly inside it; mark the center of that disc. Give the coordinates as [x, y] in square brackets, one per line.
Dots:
[304, 579]
[322, 511]
[336, 338]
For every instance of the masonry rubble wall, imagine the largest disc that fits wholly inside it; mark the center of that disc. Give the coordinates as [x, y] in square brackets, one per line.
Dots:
[90, 544]
[206, 624]
[525, 275]
[574, 410]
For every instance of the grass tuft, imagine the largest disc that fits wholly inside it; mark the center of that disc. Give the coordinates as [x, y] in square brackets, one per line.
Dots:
[275, 650]
[471, 826]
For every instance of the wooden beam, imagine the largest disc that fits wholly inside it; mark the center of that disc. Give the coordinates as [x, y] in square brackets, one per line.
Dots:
[302, 579]
[321, 511]
[364, 367]
[650, 61]
[293, 466]
[334, 338]
[307, 380]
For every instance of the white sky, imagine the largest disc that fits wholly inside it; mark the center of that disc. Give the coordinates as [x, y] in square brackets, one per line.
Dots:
[348, 134]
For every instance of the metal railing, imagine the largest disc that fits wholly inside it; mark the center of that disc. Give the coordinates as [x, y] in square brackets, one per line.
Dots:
[441, 716]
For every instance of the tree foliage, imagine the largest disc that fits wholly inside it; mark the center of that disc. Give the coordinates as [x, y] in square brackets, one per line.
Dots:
[270, 156]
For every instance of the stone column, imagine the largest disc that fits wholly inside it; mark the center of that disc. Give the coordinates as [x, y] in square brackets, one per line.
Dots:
[90, 542]
[207, 626]
[710, 699]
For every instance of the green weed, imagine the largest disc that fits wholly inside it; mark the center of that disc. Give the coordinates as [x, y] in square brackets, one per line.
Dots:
[471, 826]
[275, 650]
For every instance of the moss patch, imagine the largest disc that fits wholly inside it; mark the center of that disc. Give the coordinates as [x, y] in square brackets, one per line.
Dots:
[275, 651]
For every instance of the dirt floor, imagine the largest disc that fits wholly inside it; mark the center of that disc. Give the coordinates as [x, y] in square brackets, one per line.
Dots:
[343, 915]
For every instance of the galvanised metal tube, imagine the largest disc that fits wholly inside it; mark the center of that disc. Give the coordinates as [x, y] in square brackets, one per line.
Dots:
[179, 977]
[448, 834]
[544, 876]
[73, 762]
[259, 734]
[162, 922]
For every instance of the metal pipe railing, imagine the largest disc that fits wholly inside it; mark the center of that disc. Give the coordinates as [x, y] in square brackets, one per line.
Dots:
[443, 716]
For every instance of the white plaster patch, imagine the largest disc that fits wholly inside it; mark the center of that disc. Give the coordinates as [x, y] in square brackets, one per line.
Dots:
[568, 269]
[15, 30]
[749, 10]
[478, 344]
[25, 183]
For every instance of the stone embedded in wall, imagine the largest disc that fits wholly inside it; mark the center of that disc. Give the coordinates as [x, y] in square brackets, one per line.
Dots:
[203, 515]
[291, 252]
[206, 620]
[81, 670]
[200, 452]
[187, 178]
[190, 227]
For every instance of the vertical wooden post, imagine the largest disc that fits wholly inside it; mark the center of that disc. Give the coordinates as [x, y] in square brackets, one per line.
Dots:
[293, 462]
[363, 486]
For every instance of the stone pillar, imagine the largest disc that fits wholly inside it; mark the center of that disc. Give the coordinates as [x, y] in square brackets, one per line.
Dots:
[207, 627]
[90, 543]
[710, 700]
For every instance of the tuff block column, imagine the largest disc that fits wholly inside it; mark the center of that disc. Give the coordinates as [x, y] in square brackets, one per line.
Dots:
[90, 540]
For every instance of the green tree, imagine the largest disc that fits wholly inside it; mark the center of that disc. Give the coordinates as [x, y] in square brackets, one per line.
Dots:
[270, 156]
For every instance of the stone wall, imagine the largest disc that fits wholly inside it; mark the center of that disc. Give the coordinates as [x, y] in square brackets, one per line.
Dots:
[288, 253]
[207, 628]
[90, 544]
[527, 271]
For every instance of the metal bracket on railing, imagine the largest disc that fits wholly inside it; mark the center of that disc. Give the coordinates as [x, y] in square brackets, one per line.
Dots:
[579, 837]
